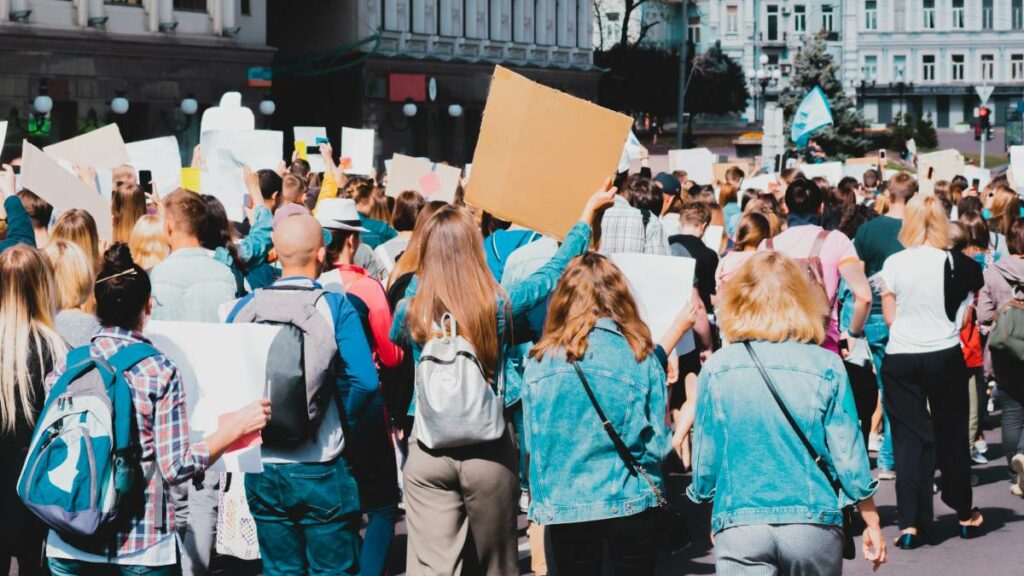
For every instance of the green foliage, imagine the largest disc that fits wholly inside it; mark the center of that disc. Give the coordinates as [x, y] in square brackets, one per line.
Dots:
[925, 135]
[814, 66]
[717, 85]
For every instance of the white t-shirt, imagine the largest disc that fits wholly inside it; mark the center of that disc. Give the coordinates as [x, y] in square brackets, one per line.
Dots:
[917, 277]
[163, 553]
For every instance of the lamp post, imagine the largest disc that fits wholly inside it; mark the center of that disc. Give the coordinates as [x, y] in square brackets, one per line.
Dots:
[760, 79]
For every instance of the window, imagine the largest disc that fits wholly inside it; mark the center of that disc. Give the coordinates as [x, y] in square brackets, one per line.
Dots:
[732, 20]
[988, 66]
[773, 22]
[826, 19]
[986, 14]
[800, 18]
[124, 2]
[870, 70]
[928, 14]
[899, 15]
[871, 15]
[928, 67]
[1017, 14]
[899, 67]
[957, 67]
[958, 14]
[693, 30]
[193, 5]
[1016, 66]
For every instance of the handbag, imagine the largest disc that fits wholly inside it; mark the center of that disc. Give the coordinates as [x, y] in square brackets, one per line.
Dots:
[236, 528]
[672, 533]
[849, 548]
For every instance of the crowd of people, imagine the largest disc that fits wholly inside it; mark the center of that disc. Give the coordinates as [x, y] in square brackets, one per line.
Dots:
[459, 370]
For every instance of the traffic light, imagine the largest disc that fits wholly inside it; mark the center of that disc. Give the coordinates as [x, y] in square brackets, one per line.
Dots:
[983, 126]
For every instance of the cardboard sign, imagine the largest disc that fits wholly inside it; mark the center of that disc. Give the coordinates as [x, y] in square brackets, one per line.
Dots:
[311, 137]
[713, 236]
[223, 368]
[433, 181]
[542, 154]
[160, 156]
[44, 176]
[227, 149]
[358, 146]
[662, 286]
[228, 185]
[230, 115]
[720, 168]
[935, 166]
[982, 175]
[698, 163]
[831, 171]
[101, 148]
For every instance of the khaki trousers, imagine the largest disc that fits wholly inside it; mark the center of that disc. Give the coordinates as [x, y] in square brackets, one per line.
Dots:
[457, 495]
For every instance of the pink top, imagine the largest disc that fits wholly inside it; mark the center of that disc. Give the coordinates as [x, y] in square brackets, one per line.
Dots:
[838, 251]
[727, 266]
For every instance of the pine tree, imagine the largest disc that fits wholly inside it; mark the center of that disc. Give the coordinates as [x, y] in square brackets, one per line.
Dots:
[814, 66]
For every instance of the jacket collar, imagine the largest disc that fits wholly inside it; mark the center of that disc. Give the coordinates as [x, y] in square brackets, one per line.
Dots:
[120, 334]
[607, 324]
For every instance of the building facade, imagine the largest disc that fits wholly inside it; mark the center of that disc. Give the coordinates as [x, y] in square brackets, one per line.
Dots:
[153, 53]
[922, 57]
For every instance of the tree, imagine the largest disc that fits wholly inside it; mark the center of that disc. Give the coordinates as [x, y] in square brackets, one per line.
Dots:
[814, 66]
[627, 13]
[716, 85]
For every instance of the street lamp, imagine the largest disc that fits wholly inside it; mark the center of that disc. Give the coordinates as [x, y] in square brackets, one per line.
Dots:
[409, 109]
[901, 86]
[119, 104]
[38, 115]
[762, 78]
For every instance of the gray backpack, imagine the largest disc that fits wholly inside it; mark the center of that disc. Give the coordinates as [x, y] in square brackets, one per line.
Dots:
[303, 364]
[455, 404]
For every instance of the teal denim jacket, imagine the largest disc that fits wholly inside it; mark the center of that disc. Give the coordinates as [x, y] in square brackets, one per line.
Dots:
[746, 456]
[522, 296]
[252, 251]
[576, 475]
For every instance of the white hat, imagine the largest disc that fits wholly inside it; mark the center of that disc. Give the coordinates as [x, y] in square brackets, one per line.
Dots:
[339, 214]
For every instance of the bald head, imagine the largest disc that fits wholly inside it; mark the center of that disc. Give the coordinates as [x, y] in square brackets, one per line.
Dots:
[299, 241]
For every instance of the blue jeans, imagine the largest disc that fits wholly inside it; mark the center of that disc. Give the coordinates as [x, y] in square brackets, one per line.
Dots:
[307, 518]
[877, 333]
[1013, 427]
[59, 567]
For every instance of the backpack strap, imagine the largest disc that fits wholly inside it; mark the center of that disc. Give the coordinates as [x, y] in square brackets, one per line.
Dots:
[122, 361]
[78, 362]
[819, 243]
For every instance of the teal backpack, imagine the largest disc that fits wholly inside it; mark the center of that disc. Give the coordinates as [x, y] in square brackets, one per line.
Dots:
[83, 474]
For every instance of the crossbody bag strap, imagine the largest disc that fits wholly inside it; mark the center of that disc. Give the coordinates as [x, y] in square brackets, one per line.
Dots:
[620, 446]
[792, 422]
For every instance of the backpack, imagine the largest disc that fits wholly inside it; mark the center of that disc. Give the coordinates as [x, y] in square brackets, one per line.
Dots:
[1006, 339]
[455, 404]
[303, 362]
[812, 264]
[83, 474]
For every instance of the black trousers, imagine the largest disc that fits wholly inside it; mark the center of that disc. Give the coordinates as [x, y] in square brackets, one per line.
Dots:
[913, 383]
[578, 549]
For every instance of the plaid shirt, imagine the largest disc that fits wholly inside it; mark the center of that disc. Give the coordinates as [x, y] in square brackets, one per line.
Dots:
[163, 432]
[623, 231]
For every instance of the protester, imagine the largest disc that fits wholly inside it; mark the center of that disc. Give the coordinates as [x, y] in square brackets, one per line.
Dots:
[450, 492]
[1003, 281]
[753, 228]
[632, 224]
[781, 513]
[269, 184]
[403, 219]
[500, 242]
[361, 190]
[694, 218]
[147, 543]
[41, 213]
[74, 278]
[29, 348]
[127, 205]
[1003, 207]
[925, 379]
[148, 242]
[594, 328]
[306, 503]
[247, 258]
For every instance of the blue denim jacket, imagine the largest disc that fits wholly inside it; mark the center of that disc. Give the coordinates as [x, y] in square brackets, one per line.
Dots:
[576, 475]
[746, 456]
[522, 296]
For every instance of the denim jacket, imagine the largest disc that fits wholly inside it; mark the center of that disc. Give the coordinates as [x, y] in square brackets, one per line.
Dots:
[576, 475]
[522, 296]
[252, 251]
[746, 456]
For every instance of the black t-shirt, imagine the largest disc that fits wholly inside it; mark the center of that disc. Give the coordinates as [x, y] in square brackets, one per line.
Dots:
[707, 264]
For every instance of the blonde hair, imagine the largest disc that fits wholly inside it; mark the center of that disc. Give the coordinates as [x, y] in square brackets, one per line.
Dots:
[27, 307]
[758, 302]
[925, 222]
[590, 289]
[148, 242]
[127, 205]
[1005, 209]
[73, 273]
[78, 227]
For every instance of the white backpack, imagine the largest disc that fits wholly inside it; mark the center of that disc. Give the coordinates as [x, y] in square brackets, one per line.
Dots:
[455, 404]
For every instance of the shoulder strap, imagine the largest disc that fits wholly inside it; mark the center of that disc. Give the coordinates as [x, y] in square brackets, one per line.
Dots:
[127, 357]
[769, 244]
[121, 396]
[819, 243]
[78, 362]
[620, 446]
[792, 422]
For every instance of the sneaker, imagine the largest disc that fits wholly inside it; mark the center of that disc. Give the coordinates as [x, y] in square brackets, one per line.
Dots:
[977, 457]
[886, 474]
[874, 442]
[981, 446]
[1017, 464]
[524, 501]
[1016, 491]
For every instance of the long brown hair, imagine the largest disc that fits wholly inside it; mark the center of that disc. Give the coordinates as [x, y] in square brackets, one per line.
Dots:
[1005, 209]
[28, 304]
[410, 259]
[127, 205]
[79, 227]
[591, 288]
[454, 279]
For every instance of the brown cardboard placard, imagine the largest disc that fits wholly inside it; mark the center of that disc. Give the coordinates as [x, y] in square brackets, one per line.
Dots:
[721, 168]
[935, 166]
[433, 181]
[44, 176]
[542, 153]
[102, 148]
